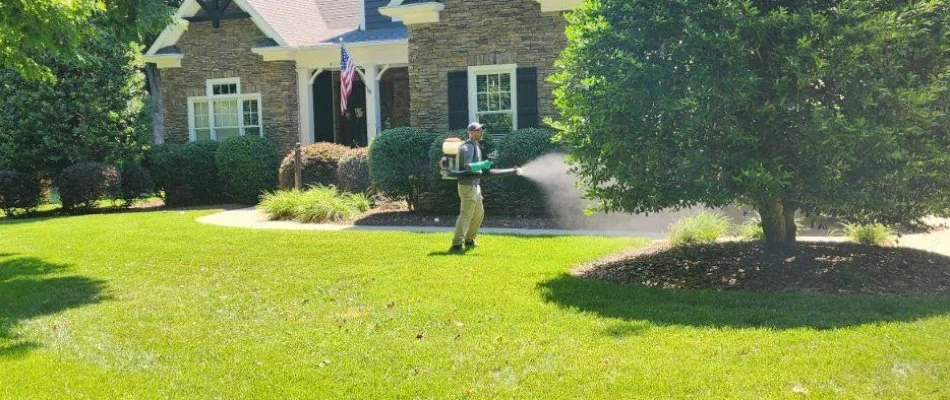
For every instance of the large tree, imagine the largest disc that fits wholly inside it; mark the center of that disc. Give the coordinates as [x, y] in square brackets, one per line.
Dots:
[827, 107]
[35, 31]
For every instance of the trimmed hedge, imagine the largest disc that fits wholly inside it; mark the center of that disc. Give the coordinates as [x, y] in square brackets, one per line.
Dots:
[135, 183]
[396, 157]
[247, 168]
[187, 173]
[81, 185]
[352, 173]
[320, 162]
[18, 191]
[523, 145]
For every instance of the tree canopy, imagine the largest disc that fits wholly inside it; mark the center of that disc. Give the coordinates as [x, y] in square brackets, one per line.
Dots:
[828, 107]
[32, 31]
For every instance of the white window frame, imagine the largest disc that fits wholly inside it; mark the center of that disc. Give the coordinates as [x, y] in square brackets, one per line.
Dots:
[475, 71]
[209, 98]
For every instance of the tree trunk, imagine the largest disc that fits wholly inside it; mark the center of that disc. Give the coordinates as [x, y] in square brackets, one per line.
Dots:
[157, 108]
[778, 223]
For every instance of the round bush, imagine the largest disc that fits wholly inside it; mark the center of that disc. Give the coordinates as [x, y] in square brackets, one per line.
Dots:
[352, 173]
[247, 168]
[319, 161]
[186, 173]
[18, 191]
[135, 183]
[398, 154]
[524, 145]
[81, 185]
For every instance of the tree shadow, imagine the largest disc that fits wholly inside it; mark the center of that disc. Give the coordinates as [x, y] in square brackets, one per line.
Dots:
[734, 309]
[27, 291]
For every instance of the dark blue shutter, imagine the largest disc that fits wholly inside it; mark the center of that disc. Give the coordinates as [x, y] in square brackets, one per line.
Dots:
[527, 97]
[458, 100]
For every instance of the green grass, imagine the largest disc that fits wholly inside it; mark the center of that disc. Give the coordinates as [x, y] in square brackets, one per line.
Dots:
[153, 305]
[876, 234]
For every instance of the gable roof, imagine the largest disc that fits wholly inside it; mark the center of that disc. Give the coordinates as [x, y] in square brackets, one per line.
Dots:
[294, 23]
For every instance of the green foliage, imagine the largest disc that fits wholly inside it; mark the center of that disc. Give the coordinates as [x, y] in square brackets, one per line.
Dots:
[874, 234]
[701, 227]
[751, 230]
[82, 185]
[320, 162]
[135, 183]
[32, 32]
[398, 155]
[186, 173]
[93, 112]
[247, 168]
[318, 204]
[353, 171]
[18, 191]
[523, 145]
[835, 108]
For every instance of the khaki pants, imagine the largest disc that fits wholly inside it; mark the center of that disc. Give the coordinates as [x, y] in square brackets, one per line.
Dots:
[471, 215]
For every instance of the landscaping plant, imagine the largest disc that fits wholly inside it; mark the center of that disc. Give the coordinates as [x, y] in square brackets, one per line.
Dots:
[874, 234]
[247, 168]
[187, 174]
[82, 185]
[829, 107]
[396, 157]
[135, 183]
[352, 172]
[319, 165]
[18, 191]
[701, 227]
[317, 204]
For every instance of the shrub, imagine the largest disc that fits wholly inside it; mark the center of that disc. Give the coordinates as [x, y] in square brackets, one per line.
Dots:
[135, 183]
[317, 205]
[18, 191]
[353, 171]
[524, 145]
[81, 185]
[247, 168]
[320, 162]
[396, 156]
[874, 234]
[751, 230]
[701, 227]
[186, 173]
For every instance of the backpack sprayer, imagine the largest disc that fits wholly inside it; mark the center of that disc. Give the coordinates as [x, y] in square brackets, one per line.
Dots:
[452, 168]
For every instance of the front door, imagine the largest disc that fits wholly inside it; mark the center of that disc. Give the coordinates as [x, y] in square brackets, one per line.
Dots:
[354, 120]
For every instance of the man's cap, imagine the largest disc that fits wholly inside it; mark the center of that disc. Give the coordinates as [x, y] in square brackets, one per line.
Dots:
[474, 126]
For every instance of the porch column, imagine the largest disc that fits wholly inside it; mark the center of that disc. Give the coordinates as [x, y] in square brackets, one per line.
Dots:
[373, 108]
[305, 102]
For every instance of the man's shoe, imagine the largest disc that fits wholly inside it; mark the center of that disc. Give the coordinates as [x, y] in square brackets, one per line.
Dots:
[456, 249]
[471, 245]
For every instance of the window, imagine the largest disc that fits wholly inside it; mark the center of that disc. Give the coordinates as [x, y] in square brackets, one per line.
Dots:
[492, 93]
[224, 112]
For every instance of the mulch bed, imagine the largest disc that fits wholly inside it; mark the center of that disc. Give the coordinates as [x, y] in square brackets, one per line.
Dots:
[839, 268]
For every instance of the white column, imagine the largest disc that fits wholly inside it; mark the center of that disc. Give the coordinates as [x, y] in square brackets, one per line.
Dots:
[305, 102]
[373, 109]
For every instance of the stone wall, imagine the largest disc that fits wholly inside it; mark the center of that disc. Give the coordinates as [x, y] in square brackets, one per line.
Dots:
[225, 52]
[481, 32]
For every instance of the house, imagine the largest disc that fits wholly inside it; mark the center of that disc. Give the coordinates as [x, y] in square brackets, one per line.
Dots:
[271, 67]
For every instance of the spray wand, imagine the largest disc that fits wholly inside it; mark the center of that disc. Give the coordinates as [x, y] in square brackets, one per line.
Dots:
[452, 168]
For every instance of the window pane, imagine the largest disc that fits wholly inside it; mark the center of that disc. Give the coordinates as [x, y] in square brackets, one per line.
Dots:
[492, 102]
[252, 131]
[504, 101]
[225, 113]
[203, 134]
[483, 102]
[201, 115]
[251, 115]
[482, 83]
[506, 82]
[224, 89]
[226, 133]
[498, 124]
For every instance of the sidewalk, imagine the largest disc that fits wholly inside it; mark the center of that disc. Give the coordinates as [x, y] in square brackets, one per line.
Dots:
[250, 218]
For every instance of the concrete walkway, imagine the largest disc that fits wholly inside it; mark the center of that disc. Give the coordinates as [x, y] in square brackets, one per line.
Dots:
[937, 241]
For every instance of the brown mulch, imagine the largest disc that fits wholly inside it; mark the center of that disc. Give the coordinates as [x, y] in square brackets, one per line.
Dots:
[809, 267]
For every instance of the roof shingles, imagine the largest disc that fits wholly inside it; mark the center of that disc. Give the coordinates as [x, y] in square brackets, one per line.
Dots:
[303, 23]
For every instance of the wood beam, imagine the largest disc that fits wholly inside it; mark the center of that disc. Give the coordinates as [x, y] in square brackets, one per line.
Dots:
[223, 17]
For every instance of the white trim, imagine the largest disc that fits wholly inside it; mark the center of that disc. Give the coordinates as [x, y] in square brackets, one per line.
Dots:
[190, 8]
[559, 5]
[410, 14]
[210, 98]
[363, 15]
[474, 71]
[163, 61]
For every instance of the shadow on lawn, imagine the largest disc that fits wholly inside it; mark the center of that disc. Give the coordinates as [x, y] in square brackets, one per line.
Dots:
[733, 309]
[26, 294]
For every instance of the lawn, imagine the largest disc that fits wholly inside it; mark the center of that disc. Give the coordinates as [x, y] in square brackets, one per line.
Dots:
[154, 305]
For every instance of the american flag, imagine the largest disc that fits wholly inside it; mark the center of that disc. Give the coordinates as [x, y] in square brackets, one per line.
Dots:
[347, 75]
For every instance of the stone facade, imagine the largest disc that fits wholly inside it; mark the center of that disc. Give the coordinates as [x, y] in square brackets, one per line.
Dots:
[481, 32]
[223, 53]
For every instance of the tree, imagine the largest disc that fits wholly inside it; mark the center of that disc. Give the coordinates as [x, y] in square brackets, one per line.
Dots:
[824, 107]
[93, 111]
[32, 31]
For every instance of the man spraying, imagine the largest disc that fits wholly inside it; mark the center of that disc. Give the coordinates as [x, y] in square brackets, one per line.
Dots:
[472, 211]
